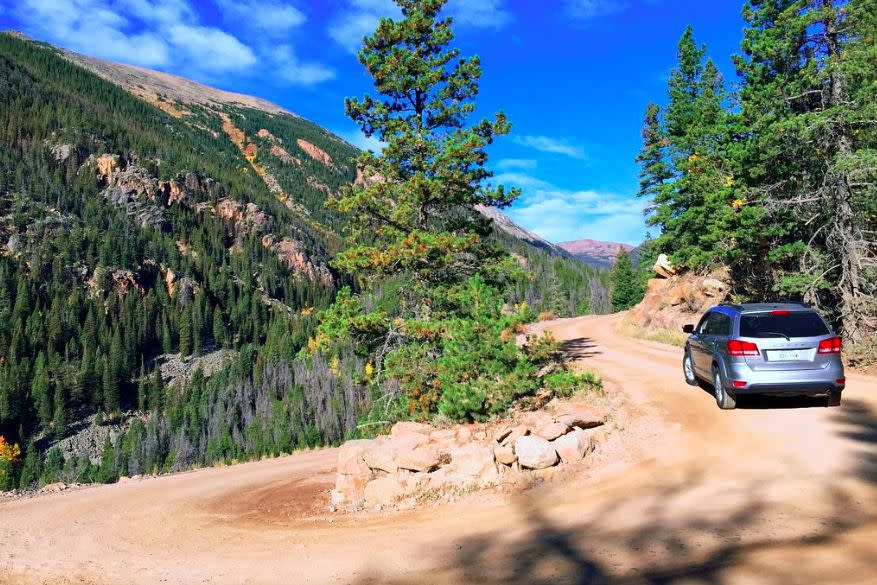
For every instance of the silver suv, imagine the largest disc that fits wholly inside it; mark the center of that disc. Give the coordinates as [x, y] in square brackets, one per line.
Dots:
[762, 348]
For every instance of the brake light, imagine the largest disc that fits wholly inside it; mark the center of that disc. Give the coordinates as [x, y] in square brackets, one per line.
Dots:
[833, 345]
[739, 383]
[739, 348]
[780, 312]
[841, 381]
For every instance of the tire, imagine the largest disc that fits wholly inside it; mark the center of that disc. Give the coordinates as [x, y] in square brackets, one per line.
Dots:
[724, 399]
[834, 398]
[688, 369]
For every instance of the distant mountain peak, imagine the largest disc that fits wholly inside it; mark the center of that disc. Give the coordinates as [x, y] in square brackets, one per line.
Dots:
[595, 252]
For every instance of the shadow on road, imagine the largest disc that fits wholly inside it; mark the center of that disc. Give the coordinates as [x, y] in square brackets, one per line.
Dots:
[657, 537]
[579, 348]
[763, 402]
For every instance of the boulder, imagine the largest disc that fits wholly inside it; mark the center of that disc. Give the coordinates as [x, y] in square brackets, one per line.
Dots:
[419, 459]
[406, 441]
[406, 427]
[58, 486]
[473, 464]
[535, 452]
[381, 456]
[353, 472]
[443, 436]
[552, 431]
[502, 433]
[663, 266]
[537, 419]
[572, 446]
[515, 434]
[582, 415]
[505, 454]
[382, 491]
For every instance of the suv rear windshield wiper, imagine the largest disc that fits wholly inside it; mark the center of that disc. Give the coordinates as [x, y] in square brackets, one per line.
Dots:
[764, 333]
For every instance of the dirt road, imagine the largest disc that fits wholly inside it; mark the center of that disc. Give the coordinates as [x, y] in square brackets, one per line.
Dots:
[776, 492]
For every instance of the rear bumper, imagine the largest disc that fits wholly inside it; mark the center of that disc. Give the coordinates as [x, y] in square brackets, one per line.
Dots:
[809, 382]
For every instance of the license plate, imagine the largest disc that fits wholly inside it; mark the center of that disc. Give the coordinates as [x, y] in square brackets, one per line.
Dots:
[787, 355]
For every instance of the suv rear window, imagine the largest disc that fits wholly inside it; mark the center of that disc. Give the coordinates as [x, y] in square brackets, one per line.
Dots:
[796, 324]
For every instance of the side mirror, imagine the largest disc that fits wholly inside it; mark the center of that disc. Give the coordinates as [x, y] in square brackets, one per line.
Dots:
[688, 328]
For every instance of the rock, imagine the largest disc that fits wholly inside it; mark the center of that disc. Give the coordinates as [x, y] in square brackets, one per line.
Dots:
[443, 436]
[582, 415]
[572, 446]
[419, 459]
[471, 464]
[382, 491]
[517, 432]
[535, 452]
[58, 486]
[315, 152]
[713, 287]
[537, 419]
[406, 441]
[502, 433]
[504, 454]
[406, 427]
[464, 435]
[353, 473]
[663, 266]
[381, 456]
[552, 431]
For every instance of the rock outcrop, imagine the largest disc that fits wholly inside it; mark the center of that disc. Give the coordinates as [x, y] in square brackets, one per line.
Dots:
[315, 152]
[416, 461]
[672, 302]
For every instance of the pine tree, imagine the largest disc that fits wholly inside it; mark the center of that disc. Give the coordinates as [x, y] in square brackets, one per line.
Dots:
[186, 331]
[40, 389]
[808, 78]
[110, 386]
[625, 284]
[218, 329]
[60, 418]
[419, 215]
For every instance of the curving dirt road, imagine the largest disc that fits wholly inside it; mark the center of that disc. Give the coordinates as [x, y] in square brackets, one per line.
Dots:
[776, 492]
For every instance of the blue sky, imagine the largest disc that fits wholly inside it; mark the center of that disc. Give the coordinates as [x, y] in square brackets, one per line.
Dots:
[573, 76]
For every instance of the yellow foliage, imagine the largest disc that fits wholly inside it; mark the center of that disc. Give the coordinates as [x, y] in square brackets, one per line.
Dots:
[738, 203]
[306, 311]
[369, 369]
[729, 181]
[8, 452]
[522, 306]
[334, 365]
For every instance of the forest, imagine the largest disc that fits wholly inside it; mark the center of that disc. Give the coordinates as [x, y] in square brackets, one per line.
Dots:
[773, 173]
[132, 237]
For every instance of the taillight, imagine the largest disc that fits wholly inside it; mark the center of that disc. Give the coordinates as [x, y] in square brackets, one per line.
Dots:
[781, 312]
[739, 348]
[739, 383]
[833, 345]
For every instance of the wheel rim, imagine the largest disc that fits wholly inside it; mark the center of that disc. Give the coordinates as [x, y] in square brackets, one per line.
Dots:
[686, 365]
[717, 384]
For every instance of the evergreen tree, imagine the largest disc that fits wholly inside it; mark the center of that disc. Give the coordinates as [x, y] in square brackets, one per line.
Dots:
[808, 76]
[186, 331]
[60, 418]
[110, 386]
[626, 291]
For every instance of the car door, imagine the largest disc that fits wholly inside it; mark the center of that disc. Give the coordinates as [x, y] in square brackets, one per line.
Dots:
[697, 342]
[717, 331]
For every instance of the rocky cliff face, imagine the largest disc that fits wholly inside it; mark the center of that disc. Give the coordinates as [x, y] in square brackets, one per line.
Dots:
[672, 302]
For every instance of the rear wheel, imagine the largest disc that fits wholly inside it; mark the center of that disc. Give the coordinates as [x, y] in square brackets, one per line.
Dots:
[688, 369]
[724, 399]
[833, 398]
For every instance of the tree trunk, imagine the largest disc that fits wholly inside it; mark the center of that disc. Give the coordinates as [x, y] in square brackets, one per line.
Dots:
[843, 237]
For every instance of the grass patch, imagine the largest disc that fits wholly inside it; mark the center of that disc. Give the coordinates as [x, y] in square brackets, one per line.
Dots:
[666, 336]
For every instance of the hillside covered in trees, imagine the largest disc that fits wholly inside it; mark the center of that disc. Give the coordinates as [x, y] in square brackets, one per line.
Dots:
[774, 173]
[135, 228]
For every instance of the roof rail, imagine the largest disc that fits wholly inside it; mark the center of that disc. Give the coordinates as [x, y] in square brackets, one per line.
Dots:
[733, 305]
[799, 303]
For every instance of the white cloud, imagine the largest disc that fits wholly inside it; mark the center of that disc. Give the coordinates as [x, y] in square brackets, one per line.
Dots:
[290, 69]
[561, 215]
[360, 18]
[170, 35]
[588, 9]
[217, 51]
[269, 16]
[551, 145]
[510, 164]
[480, 13]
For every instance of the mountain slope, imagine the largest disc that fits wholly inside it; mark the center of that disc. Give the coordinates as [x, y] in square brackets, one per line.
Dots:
[595, 252]
[145, 224]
